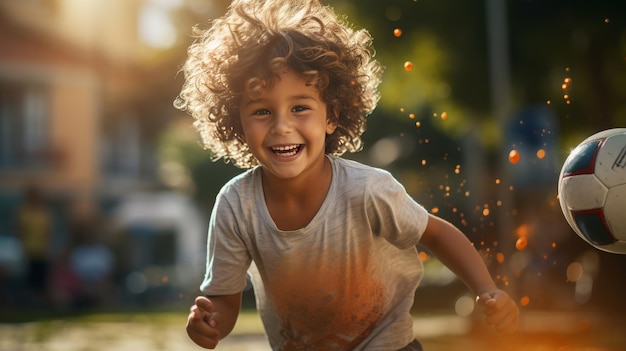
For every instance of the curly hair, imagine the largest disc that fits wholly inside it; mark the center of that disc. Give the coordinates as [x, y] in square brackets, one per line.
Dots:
[244, 52]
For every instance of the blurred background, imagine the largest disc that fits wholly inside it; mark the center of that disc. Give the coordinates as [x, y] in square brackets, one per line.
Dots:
[105, 192]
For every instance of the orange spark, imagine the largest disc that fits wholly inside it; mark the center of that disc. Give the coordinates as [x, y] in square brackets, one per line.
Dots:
[514, 156]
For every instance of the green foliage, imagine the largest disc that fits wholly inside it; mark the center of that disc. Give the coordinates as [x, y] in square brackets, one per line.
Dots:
[548, 41]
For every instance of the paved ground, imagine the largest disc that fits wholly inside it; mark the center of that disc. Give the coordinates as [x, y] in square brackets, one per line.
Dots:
[539, 332]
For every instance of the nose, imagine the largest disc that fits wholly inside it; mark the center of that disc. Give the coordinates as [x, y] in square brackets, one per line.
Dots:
[281, 123]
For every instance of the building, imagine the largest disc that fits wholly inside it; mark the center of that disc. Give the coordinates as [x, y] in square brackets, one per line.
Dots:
[85, 92]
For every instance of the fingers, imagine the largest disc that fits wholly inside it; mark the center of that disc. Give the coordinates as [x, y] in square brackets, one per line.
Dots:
[508, 324]
[202, 333]
[203, 309]
[504, 320]
[485, 298]
[500, 311]
[204, 303]
[202, 322]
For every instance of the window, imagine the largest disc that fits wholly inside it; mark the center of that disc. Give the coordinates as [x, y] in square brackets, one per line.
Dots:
[24, 126]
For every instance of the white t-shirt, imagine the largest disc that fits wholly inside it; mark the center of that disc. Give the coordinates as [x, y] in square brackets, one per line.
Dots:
[346, 281]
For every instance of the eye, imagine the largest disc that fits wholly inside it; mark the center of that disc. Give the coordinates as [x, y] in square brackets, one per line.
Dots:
[261, 112]
[300, 108]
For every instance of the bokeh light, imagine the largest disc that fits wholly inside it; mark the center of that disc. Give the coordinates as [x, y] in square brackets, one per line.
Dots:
[514, 156]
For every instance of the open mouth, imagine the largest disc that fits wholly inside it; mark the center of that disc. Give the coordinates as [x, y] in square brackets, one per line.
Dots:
[286, 150]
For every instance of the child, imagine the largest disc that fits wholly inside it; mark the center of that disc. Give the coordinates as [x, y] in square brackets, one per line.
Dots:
[283, 88]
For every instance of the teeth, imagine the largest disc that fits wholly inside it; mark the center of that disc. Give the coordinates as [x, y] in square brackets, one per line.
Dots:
[285, 148]
[286, 151]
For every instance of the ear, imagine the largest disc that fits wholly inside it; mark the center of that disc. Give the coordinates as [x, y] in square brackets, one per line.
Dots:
[331, 124]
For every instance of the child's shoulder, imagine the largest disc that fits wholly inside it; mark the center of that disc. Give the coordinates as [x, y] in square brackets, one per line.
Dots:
[356, 170]
[243, 182]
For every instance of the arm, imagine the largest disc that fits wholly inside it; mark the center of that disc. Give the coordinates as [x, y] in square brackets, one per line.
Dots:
[213, 318]
[455, 251]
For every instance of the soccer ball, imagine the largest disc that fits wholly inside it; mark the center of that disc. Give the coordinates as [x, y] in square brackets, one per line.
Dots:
[592, 190]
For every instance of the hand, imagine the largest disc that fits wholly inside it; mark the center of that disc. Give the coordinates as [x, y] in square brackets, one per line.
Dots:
[500, 310]
[202, 323]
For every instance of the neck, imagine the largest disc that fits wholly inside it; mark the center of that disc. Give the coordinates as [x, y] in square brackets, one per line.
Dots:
[312, 183]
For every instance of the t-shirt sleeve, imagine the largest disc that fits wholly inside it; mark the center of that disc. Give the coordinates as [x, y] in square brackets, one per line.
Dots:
[227, 255]
[393, 214]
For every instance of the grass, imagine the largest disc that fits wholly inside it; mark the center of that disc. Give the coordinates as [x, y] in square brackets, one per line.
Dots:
[120, 331]
[164, 330]
[248, 321]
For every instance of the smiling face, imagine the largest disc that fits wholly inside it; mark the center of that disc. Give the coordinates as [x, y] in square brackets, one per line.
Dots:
[286, 126]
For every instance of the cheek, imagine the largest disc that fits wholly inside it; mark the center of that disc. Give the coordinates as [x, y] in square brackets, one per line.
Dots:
[252, 133]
